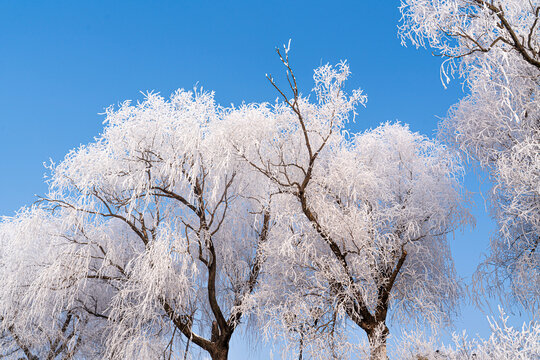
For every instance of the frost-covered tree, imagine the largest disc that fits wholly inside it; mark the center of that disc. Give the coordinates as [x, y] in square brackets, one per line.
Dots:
[361, 229]
[505, 342]
[495, 47]
[159, 235]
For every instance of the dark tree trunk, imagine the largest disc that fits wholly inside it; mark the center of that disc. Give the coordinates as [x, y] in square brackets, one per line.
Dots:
[221, 353]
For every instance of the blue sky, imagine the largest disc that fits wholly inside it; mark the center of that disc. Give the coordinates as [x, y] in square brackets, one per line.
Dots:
[63, 62]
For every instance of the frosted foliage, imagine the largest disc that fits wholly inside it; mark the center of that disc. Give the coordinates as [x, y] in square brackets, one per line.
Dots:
[410, 201]
[505, 342]
[163, 271]
[495, 47]
[40, 313]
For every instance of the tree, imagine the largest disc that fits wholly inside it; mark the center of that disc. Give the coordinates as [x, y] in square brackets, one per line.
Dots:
[494, 46]
[362, 221]
[505, 342]
[161, 230]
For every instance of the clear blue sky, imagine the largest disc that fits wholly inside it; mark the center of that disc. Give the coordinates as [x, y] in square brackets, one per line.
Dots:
[63, 62]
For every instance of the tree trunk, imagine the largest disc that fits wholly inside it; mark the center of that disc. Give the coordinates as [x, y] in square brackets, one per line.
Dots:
[220, 354]
[377, 342]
